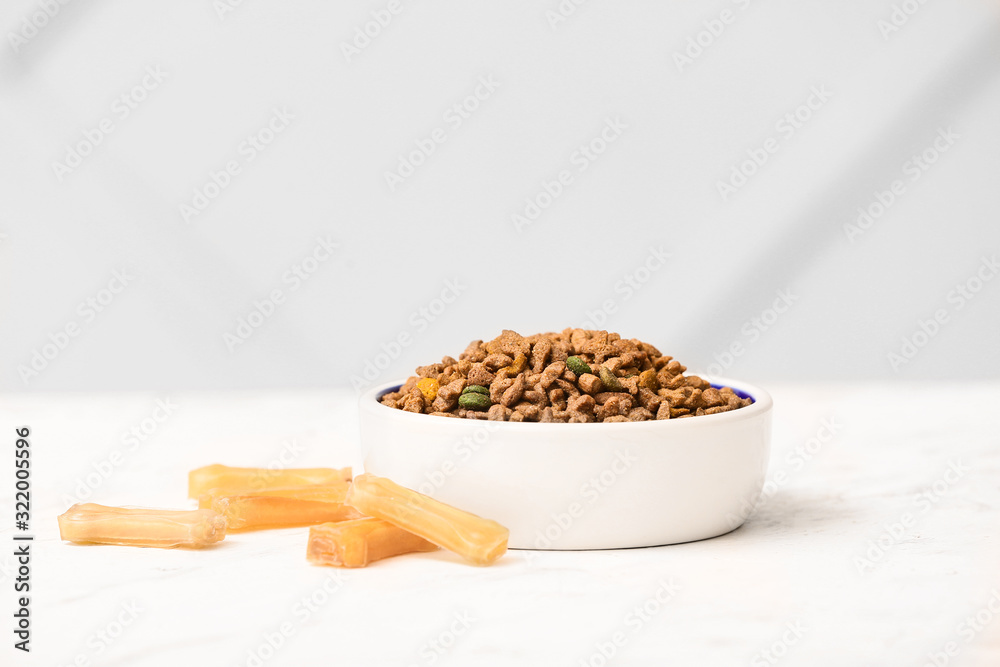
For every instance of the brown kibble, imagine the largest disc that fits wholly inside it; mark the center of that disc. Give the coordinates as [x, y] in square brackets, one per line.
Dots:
[663, 412]
[557, 397]
[697, 382]
[584, 403]
[447, 396]
[496, 361]
[514, 392]
[693, 399]
[414, 401]
[589, 383]
[711, 397]
[639, 414]
[647, 380]
[649, 399]
[474, 352]
[530, 411]
[478, 374]
[551, 373]
[498, 387]
[498, 413]
[537, 397]
[630, 384]
[613, 364]
[661, 361]
[569, 387]
[540, 354]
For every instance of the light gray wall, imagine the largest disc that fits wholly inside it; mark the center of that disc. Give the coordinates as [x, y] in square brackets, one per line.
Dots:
[883, 96]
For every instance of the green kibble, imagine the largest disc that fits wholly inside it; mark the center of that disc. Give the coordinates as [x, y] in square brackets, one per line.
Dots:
[578, 365]
[474, 401]
[609, 380]
[476, 389]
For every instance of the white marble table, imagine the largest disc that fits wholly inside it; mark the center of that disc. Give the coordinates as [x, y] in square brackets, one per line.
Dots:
[824, 573]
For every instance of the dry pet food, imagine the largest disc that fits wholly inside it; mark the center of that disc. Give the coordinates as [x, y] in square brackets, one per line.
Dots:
[225, 478]
[91, 523]
[360, 542]
[478, 540]
[577, 375]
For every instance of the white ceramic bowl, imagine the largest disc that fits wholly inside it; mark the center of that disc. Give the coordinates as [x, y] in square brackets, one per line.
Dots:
[581, 486]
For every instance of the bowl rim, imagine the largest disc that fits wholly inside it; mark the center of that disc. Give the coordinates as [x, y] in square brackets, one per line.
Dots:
[762, 404]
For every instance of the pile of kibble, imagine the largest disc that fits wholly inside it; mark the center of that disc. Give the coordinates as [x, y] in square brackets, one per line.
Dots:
[577, 375]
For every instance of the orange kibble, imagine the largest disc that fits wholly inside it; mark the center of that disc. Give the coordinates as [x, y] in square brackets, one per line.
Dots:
[428, 387]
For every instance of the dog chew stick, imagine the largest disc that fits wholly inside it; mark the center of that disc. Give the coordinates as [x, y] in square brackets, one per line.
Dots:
[480, 541]
[91, 523]
[360, 542]
[226, 478]
[281, 508]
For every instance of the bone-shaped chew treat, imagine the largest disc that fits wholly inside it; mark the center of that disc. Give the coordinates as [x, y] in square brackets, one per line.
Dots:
[478, 540]
[360, 542]
[281, 508]
[138, 527]
[226, 478]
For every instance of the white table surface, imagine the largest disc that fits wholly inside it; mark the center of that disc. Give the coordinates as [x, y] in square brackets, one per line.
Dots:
[793, 565]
